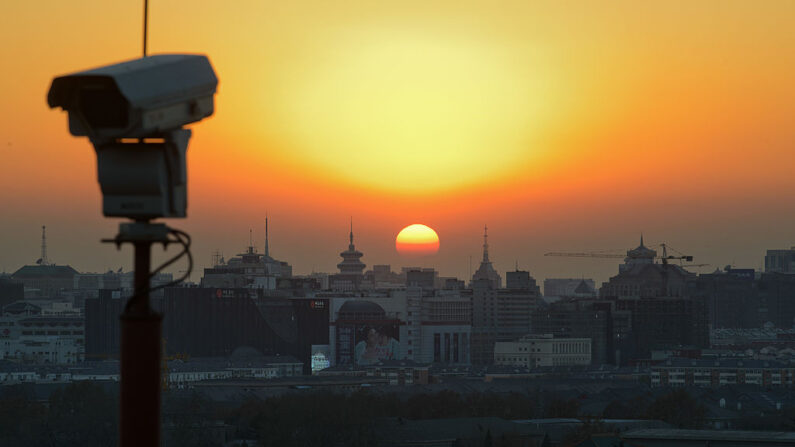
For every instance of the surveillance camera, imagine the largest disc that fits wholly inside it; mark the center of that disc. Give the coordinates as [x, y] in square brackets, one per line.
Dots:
[147, 100]
[138, 98]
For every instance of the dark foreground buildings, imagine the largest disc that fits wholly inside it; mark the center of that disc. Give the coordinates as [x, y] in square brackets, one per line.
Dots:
[742, 298]
[213, 322]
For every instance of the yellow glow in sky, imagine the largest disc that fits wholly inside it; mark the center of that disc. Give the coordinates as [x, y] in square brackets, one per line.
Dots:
[409, 113]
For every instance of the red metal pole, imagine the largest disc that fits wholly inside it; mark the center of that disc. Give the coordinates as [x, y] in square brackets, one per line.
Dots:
[140, 360]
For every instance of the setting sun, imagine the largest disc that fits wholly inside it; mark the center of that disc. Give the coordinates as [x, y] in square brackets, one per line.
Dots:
[417, 240]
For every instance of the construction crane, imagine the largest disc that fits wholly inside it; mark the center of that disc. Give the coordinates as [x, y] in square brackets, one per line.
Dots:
[164, 370]
[665, 257]
[586, 255]
[597, 254]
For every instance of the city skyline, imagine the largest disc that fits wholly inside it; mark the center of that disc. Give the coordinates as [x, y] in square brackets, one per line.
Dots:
[611, 261]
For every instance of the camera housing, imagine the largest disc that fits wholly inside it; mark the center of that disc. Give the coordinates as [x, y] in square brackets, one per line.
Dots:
[137, 98]
[133, 113]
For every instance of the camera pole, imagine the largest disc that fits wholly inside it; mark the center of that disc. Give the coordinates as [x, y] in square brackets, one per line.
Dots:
[141, 329]
[146, 23]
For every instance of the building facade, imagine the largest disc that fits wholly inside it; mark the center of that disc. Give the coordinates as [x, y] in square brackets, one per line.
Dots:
[715, 373]
[414, 324]
[499, 315]
[780, 261]
[534, 351]
[580, 318]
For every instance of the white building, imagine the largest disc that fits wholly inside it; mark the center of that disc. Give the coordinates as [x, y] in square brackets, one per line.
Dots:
[533, 351]
[42, 339]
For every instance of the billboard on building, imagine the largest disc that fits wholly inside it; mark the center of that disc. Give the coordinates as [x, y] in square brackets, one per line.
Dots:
[321, 355]
[364, 344]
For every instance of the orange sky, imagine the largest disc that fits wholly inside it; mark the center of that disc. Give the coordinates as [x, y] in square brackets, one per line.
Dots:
[563, 125]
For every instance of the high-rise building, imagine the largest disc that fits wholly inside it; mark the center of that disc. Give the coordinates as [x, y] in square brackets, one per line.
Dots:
[661, 322]
[501, 314]
[742, 298]
[579, 318]
[780, 261]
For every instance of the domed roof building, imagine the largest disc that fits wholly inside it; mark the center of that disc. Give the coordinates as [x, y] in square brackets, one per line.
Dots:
[640, 277]
[638, 256]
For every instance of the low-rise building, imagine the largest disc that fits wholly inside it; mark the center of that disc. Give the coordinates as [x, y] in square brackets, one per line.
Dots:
[396, 372]
[713, 373]
[533, 351]
[669, 437]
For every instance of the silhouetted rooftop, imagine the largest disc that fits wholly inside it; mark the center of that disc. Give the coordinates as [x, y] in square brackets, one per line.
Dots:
[45, 271]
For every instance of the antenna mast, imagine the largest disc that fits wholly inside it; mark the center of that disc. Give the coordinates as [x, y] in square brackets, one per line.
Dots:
[44, 260]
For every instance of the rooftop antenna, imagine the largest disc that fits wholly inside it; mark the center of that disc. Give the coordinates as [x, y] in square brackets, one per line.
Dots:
[251, 241]
[267, 251]
[217, 256]
[43, 260]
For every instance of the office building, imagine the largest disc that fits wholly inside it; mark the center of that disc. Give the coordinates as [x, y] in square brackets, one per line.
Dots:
[780, 261]
[579, 318]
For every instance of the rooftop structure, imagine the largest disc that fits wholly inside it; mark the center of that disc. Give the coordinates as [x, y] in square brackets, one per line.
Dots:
[351, 259]
[249, 269]
[486, 270]
[638, 256]
[351, 268]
